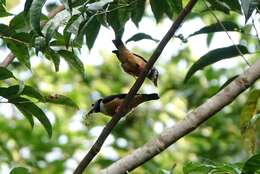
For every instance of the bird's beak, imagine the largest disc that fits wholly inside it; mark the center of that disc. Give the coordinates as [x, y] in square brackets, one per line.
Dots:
[90, 112]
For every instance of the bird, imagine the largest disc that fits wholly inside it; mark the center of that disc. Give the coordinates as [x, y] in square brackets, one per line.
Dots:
[110, 105]
[132, 63]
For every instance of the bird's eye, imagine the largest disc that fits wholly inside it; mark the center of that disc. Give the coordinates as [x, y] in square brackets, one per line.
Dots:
[92, 104]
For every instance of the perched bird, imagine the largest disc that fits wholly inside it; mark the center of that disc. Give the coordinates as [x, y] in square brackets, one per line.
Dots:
[110, 104]
[132, 63]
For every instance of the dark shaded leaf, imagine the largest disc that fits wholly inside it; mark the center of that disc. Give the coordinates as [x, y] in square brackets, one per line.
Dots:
[61, 99]
[35, 111]
[234, 5]
[24, 111]
[215, 56]
[141, 36]
[5, 73]
[83, 29]
[158, 9]
[54, 56]
[252, 165]
[5, 30]
[220, 6]
[248, 7]
[35, 15]
[173, 7]
[209, 38]
[20, 23]
[92, 32]
[230, 26]
[73, 61]
[21, 51]
[13, 91]
[138, 11]
[20, 170]
[117, 18]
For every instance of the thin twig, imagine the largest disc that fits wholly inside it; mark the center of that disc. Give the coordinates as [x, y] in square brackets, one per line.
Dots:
[224, 28]
[10, 57]
[138, 83]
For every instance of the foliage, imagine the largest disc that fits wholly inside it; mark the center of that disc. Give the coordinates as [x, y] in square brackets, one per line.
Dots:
[59, 100]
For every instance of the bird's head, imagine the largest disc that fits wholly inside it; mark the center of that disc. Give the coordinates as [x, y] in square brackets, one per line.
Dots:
[153, 75]
[95, 107]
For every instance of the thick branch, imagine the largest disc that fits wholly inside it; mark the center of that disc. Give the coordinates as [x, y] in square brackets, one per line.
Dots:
[124, 107]
[187, 125]
[10, 57]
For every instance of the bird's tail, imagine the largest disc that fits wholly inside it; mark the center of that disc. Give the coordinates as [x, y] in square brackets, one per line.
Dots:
[148, 97]
[118, 43]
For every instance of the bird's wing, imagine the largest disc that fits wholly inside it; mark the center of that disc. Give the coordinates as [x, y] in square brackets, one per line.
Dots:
[140, 57]
[112, 97]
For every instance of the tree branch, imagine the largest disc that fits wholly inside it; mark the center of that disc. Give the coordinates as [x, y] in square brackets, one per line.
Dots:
[124, 107]
[10, 57]
[187, 125]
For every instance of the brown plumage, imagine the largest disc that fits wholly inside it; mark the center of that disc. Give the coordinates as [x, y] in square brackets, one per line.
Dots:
[110, 104]
[132, 63]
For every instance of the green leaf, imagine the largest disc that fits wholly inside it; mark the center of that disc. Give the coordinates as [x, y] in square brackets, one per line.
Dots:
[252, 165]
[141, 36]
[92, 32]
[35, 15]
[248, 130]
[193, 167]
[3, 12]
[20, 170]
[5, 30]
[220, 6]
[209, 39]
[215, 56]
[26, 113]
[72, 25]
[53, 24]
[138, 11]
[5, 73]
[209, 167]
[248, 7]
[83, 29]
[23, 38]
[35, 111]
[21, 51]
[61, 99]
[54, 56]
[158, 9]
[13, 91]
[230, 26]
[173, 7]
[73, 61]
[234, 5]
[117, 18]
